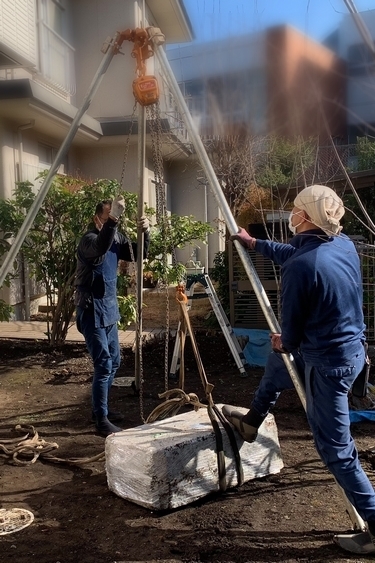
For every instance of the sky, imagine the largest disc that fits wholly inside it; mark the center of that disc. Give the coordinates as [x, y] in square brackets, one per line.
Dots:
[214, 19]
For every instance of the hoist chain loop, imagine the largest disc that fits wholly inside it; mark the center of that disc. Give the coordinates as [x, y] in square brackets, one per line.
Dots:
[127, 143]
[153, 113]
[137, 297]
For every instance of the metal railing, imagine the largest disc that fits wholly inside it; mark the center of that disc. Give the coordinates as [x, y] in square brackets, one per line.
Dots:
[246, 312]
[327, 166]
[367, 257]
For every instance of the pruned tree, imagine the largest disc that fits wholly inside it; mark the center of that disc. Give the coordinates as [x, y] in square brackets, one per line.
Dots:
[257, 172]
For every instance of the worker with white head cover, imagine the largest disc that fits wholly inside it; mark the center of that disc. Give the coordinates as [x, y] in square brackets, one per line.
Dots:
[322, 207]
[322, 324]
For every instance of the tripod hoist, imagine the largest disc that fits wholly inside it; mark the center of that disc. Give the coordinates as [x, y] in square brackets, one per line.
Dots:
[148, 42]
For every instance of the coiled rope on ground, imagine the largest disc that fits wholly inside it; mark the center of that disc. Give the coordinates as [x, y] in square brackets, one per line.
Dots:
[27, 449]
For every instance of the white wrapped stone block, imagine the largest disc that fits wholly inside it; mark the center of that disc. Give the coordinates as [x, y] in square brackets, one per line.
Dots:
[173, 462]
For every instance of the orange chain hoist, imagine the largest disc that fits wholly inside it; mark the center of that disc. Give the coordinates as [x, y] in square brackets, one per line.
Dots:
[145, 87]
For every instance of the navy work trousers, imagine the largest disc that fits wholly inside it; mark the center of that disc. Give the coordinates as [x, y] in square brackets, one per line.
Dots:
[328, 416]
[104, 349]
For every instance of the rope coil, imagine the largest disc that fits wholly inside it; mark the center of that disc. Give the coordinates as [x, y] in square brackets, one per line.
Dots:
[27, 449]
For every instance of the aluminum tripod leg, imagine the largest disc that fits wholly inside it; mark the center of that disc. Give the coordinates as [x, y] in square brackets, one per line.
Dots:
[232, 227]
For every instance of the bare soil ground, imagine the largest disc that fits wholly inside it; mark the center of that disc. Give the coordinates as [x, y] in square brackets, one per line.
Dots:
[288, 517]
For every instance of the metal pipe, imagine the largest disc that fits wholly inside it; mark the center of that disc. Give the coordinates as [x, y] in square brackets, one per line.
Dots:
[37, 203]
[140, 241]
[206, 265]
[361, 26]
[140, 235]
[232, 227]
[227, 215]
[25, 266]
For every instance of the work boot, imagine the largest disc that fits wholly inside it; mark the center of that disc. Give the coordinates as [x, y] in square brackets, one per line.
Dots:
[104, 427]
[246, 431]
[113, 416]
[362, 542]
[371, 530]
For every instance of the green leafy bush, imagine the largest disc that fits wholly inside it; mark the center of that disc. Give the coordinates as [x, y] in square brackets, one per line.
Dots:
[66, 213]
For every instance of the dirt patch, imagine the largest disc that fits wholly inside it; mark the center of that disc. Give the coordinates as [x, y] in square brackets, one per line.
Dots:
[288, 517]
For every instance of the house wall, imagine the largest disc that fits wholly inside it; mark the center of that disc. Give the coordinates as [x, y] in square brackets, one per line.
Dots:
[20, 160]
[189, 197]
[22, 154]
[361, 74]
[235, 54]
[106, 162]
[85, 26]
[224, 83]
[306, 87]
[361, 103]
[93, 23]
[348, 33]
[278, 82]
[7, 159]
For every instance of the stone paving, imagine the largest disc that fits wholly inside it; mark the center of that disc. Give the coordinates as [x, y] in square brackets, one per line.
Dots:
[36, 330]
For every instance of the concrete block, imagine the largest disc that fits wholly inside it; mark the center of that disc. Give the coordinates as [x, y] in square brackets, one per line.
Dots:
[172, 462]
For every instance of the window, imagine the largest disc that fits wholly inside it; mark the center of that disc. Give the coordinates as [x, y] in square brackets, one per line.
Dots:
[18, 33]
[360, 58]
[54, 11]
[47, 155]
[56, 54]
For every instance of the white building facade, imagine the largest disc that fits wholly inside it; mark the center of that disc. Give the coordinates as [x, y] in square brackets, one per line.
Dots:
[348, 42]
[50, 51]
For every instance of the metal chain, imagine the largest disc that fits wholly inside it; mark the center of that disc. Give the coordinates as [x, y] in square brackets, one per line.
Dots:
[133, 261]
[158, 157]
[141, 378]
[127, 143]
[166, 343]
[153, 112]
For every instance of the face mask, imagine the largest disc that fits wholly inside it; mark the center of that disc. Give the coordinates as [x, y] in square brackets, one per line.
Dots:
[293, 228]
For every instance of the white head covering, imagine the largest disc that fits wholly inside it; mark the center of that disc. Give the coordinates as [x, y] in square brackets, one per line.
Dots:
[323, 206]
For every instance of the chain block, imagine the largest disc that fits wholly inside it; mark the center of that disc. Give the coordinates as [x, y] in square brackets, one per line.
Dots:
[146, 90]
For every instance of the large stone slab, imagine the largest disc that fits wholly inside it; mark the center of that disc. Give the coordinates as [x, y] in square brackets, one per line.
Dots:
[173, 462]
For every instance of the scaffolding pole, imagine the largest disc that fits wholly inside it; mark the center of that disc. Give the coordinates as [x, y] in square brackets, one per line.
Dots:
[140, 243]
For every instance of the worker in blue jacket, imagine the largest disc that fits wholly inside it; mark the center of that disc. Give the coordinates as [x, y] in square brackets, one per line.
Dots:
[322, 325]
[97, 312]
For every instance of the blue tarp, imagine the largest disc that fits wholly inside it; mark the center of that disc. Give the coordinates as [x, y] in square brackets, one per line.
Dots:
[258, 347]
[362, 416]
[257, 350]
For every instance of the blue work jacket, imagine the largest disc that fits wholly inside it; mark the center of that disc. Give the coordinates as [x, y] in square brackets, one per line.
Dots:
[321, 295]
[98, 254]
